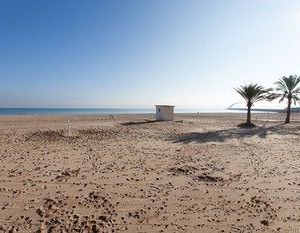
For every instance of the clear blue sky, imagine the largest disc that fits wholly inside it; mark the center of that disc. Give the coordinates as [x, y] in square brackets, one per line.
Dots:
[77, 53]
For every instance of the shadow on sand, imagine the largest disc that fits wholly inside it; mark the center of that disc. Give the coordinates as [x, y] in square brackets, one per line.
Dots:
[138, 122]
[237, 133]
[147, 121]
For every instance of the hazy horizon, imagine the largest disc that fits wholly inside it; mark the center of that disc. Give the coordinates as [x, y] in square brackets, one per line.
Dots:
[135, 54]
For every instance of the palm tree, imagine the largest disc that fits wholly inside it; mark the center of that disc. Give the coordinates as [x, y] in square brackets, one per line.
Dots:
[287, 88]
[252, 93]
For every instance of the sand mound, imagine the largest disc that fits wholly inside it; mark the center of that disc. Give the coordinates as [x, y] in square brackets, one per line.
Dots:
[60, 135]
[208, 178]
[183, 170]
[49, 135]
[98, 134]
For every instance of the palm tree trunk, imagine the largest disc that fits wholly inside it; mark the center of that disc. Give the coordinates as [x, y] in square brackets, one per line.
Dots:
[249, 113]
[288, 111]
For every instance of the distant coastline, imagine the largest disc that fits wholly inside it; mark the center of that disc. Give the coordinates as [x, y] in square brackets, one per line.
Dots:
[93, 111]
[266, 110]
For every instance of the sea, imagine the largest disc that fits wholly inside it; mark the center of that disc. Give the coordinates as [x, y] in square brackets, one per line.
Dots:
[95, 111]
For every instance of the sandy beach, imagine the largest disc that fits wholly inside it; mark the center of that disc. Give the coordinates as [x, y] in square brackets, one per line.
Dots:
[199, 173]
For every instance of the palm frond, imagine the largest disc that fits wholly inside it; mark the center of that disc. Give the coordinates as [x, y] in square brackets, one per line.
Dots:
[296, 99]
[286, 87]
[253, 93]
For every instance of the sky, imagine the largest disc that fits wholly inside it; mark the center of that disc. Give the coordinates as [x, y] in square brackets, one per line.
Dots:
[125, 53]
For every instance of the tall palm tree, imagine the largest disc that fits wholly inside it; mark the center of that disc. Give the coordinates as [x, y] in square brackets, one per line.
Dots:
[252, 93]
[287, 88]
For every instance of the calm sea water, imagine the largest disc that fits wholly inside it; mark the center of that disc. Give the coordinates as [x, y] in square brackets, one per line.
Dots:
[67, 111]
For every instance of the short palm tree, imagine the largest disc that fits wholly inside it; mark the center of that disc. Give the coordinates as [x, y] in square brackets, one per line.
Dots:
[287, 88]
[252, 93]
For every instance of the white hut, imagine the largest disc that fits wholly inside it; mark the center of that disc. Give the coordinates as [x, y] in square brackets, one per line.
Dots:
[164, 112]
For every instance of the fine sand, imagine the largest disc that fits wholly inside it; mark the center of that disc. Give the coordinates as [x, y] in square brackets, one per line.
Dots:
[199, 173]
